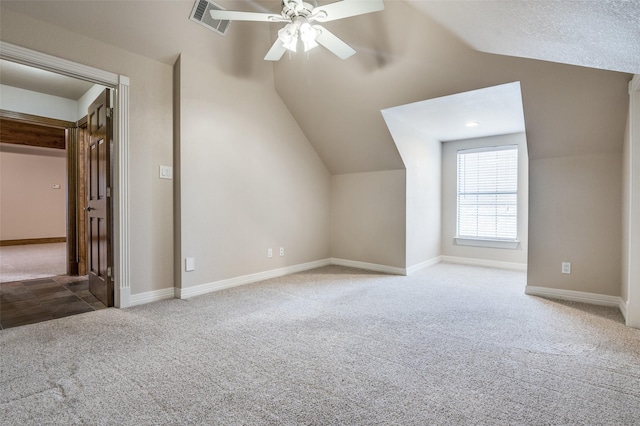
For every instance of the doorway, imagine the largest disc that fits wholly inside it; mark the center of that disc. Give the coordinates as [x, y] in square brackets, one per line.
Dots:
[43, 266]
[33, 209]
[120, 190]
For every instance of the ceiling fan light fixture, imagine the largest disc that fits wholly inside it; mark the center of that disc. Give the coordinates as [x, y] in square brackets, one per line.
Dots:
[301, 17]
[308, 36]
[289, 36]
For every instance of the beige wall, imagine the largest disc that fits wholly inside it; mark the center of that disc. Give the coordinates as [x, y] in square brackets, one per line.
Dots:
[630, 291]
[449, 200]
[28, 102]
[574, 116]
[249, 179]
[368, 217]
[404, 57]
[421, 155]
[29, 205]
[575, 216]
[150, 136]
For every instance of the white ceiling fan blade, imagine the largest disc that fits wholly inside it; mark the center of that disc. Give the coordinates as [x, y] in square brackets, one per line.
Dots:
[276, 51]
[333, 43]
[232, 15]
[345, 9]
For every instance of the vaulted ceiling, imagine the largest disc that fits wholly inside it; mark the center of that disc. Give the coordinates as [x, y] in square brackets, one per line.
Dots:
[591, 33]
[412, 51]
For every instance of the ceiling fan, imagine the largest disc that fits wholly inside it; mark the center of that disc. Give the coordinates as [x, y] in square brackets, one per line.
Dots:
[300, 17]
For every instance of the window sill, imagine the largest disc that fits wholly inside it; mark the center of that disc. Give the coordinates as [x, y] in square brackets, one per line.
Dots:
[476, 242]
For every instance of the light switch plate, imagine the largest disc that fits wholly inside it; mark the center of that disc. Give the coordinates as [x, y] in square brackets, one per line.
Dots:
[190, 264]
[166, 172]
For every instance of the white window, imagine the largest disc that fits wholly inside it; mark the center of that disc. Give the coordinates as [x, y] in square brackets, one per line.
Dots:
[488, 193]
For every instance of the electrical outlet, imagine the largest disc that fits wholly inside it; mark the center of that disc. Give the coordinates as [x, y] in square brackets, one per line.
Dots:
[281, 251]
[270, 253]
[566, 267]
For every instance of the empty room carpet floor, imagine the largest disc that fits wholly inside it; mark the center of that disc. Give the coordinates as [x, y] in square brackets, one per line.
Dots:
[31, 261]
[449, 345]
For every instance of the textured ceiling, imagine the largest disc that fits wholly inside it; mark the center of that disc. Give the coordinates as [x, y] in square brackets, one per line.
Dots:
[601, 34]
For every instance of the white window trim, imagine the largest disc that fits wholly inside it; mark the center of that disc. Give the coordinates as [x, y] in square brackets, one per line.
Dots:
[510, 244]
[488, 243]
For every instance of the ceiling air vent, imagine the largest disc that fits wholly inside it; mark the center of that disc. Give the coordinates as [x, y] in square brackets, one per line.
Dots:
[201, 15]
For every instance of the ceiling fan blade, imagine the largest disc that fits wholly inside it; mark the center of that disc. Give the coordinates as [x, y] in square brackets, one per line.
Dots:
[276, 51]
[346, 9]
[232, 15]
[333, 43]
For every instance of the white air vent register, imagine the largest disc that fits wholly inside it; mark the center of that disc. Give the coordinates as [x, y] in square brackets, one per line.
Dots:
[201, 15]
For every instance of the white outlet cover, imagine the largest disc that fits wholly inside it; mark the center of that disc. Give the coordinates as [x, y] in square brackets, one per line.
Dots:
[566, 267]
[281, 251]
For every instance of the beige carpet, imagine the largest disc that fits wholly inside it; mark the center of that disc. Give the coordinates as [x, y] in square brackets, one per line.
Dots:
[26, 262]
[450, 345]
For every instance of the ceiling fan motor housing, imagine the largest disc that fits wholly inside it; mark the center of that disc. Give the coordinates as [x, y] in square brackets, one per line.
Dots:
[293, 8]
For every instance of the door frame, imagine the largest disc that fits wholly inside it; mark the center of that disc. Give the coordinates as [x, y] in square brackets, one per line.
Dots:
[120, 195]
[70, 148]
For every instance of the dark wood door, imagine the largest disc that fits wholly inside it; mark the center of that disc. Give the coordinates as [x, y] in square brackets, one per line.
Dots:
[98, 208]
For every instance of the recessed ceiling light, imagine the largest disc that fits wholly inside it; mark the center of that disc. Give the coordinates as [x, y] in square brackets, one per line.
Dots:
[472, 124]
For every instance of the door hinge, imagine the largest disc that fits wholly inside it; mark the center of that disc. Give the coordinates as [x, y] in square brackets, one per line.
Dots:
[109, 271]
[109, 112]
[108, 191]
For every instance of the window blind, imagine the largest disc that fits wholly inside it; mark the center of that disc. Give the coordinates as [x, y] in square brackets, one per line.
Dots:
[488, 193]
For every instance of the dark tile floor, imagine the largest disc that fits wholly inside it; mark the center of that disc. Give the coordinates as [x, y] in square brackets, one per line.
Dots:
[28, 302]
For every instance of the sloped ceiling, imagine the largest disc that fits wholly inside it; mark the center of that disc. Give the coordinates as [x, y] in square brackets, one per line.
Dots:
[590, 33]
[403, 56]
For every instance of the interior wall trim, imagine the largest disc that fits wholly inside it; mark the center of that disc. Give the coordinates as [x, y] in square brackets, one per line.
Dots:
[121, 243]
[184, 293]
[423, 265]
[36, 119]
[152, 296]
[574, 296]
[486, 263]
[623, 308]
[374, 267]
[27, 241]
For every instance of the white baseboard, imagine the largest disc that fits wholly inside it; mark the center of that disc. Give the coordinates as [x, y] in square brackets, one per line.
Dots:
[574, 296]
[623, 308]
[184, 293]
[369, 266]
[424, 265]
[122, 297]
[486, 263]
[152, 296]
